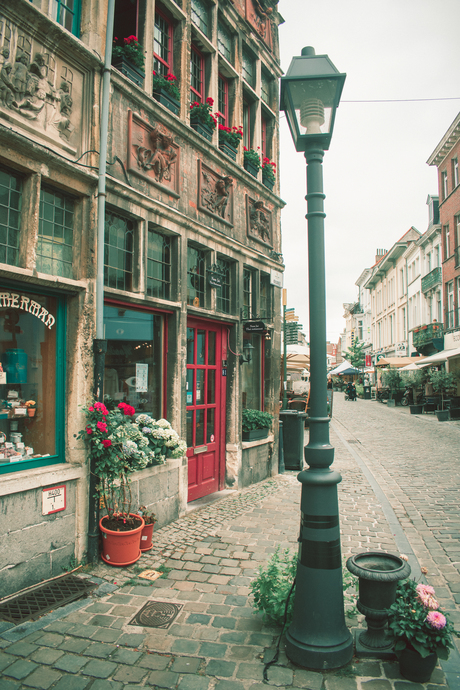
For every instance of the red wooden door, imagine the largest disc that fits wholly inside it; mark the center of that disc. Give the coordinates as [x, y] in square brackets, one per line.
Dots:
[205, 391]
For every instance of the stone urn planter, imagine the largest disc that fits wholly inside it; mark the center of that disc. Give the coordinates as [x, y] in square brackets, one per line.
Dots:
[378, 573]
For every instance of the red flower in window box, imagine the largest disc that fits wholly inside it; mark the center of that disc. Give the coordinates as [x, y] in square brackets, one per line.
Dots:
[201, 112]
[130, 49]
[268, 169]
[230, 135]
[166, 82]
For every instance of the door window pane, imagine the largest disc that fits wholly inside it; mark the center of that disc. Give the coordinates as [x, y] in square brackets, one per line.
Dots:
[189, 387]
[200, 347]
[190, 414]
[210, 425]
[190, 346]
[199, 393]
[199, 431]
[211, 347]
[211, 397]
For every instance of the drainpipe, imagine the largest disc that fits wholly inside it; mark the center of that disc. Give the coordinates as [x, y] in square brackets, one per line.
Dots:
[99, 343]
[407, 313]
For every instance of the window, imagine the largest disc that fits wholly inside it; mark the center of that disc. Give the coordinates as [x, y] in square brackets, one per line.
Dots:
[248, 68]
[118, 252]
[125, 19]
[224, 42]
[457, 228]
[446, 234]
[10, 217]
[265, 88]
[223, 293]
[55, 233]
[134, 359]
[196, 271]
[162, 42]
[158, 265]
[444, 188]
[264, 138]
[455, 178]
[196, 76]
[246, 124]
[68, 15]
[458, 301]
[251, 374]
[223, 99]
[249, 297]
[32, 351]
[265, 297]
[404, 329]
[200, 16]
[450, 304]
[360, 330]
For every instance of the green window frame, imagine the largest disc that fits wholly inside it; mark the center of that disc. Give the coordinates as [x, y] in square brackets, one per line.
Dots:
[118, 251]
[68, 15]
[223, 293]
[196, 272]
[55, 233]
[158, 264]
[200, 16]
[10, 216]
[224, 41]
[265, 88]
[249, 297]
[248, 68]
[265, 297]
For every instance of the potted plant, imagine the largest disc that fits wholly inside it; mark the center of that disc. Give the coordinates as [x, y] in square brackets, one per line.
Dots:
[421, 633]
[147, 531]
[31, 407]
[391, 378]
[128, 58]
[229, 139]
[268, 173]
[442, 381]
[119, 447]
[414, 380]
[201, 118]
[256, 424]
[166, 92]
[251, 161]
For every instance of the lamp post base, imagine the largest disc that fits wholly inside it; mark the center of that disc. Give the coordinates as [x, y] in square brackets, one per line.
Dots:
[319, 657]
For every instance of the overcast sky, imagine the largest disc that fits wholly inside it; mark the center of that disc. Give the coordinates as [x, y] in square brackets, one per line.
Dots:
[376, 179]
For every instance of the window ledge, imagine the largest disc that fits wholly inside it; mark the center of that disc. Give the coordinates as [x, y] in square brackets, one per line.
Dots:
[260, 442]
[27, 480]
[175, 10]
[42, 279]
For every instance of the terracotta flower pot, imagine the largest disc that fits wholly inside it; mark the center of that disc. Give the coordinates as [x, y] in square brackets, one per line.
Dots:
[31, 411]
[146, 537]
[121, 548]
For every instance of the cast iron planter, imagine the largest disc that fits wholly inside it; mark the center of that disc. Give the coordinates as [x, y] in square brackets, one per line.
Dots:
[202, 129]
[129, 69]
[228, 149]
[268, 182]
[165, 98]
[255, 434]
[251, 168]
[378, 573]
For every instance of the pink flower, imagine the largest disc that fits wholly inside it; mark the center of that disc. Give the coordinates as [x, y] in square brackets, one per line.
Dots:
[436, 620]
[101, 408]
[106, 443]
[89, 430]
[425, 595]
[425, 589]
[91, 409]
[102, 426]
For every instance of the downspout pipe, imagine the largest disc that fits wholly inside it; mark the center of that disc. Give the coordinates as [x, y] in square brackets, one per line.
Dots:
[99, 343]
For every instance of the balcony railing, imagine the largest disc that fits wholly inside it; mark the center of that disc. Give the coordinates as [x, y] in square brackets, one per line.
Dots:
[425, 334]
[431, 279]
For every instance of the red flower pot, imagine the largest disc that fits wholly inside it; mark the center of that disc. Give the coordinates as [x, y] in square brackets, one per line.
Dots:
[146, 537]
[121, 548]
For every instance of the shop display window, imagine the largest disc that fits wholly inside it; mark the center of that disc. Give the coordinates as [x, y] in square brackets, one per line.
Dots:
[31, 379]
[134, 359]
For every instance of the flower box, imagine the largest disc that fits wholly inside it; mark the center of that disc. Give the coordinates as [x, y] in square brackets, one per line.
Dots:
[251, 168]
[129, 69]
[255, 434]
[228, 149]
[268, 181]
[165, 98]
[202, 129]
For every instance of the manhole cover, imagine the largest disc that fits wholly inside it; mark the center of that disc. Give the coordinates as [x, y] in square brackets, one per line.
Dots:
[156, 614]
[33, 604]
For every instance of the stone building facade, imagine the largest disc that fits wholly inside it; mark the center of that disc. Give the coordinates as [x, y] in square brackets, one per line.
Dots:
[192, 266]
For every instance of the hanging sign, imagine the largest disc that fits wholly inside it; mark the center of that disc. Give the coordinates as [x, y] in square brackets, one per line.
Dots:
[254, 327]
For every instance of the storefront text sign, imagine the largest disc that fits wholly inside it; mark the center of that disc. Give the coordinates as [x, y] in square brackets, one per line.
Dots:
[53, 499]
[12, 300]
[254, 327]
[142, 371]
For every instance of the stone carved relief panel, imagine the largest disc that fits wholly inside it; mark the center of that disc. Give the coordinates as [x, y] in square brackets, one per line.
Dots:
[215, 193]
[152, 153]
[38, 90]
[259, 221]
[258, 15]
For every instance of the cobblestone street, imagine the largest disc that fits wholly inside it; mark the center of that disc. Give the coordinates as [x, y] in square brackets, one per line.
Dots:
[399, 493]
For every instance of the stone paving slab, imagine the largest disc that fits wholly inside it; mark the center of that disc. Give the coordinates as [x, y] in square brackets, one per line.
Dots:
[210, 556]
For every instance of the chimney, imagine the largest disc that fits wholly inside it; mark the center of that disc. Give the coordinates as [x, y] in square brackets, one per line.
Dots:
[380, 254]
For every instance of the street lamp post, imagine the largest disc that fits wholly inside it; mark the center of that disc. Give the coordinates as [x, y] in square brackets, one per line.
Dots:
[317, 637]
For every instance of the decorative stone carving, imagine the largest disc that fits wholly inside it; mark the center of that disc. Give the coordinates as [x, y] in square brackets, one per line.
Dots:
[258, 14]
[215, 193]
[259, 221]
[152, 153]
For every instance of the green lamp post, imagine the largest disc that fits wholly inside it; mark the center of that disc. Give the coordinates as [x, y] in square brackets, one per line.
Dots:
[317, 637]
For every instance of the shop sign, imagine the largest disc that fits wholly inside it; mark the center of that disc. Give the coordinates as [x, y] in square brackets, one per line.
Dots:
[276, 278]
[12, 300]
[53, 500]
[254, 327]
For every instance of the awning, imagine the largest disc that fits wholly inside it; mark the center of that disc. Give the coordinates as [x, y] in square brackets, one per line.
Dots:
[442, 356]
[397, 362]
[344, 368]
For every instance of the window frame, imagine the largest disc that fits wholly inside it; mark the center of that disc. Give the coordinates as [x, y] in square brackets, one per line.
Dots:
[444, 184]
[167, 64]
[61, 5]
[166, 283]
[49, 189]
[19, 181]
[126, 271]
[455, 173]
[196, 95]
[446, 240]
[223, 104]
[204, 26]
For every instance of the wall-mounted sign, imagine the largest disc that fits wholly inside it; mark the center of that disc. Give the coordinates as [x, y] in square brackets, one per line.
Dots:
[53, 499]
[12, 300]
[276, 278]
[254, 327]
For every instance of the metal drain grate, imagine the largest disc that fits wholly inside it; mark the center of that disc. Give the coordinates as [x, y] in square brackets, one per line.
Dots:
[156, 614]
[33, 604]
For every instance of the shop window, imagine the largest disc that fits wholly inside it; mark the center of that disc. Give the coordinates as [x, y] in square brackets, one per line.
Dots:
[223, 100]
[196, 271]
[158, 265]
[162, 43]
[118, 252]
[10, 216]
[224, 41]
[134, 359]
[200, 16]
[251, 379]
[32, 396]
[68, 15]
[196, 76]
[223, 293]
[265, 297]
[249, 294]
[55, 234]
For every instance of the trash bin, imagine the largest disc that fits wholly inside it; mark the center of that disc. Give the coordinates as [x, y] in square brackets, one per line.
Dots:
[281, 466]
[367, 392]
[293, 438]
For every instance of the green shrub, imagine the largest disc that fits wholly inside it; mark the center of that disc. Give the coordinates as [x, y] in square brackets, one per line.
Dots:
[256, 419]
